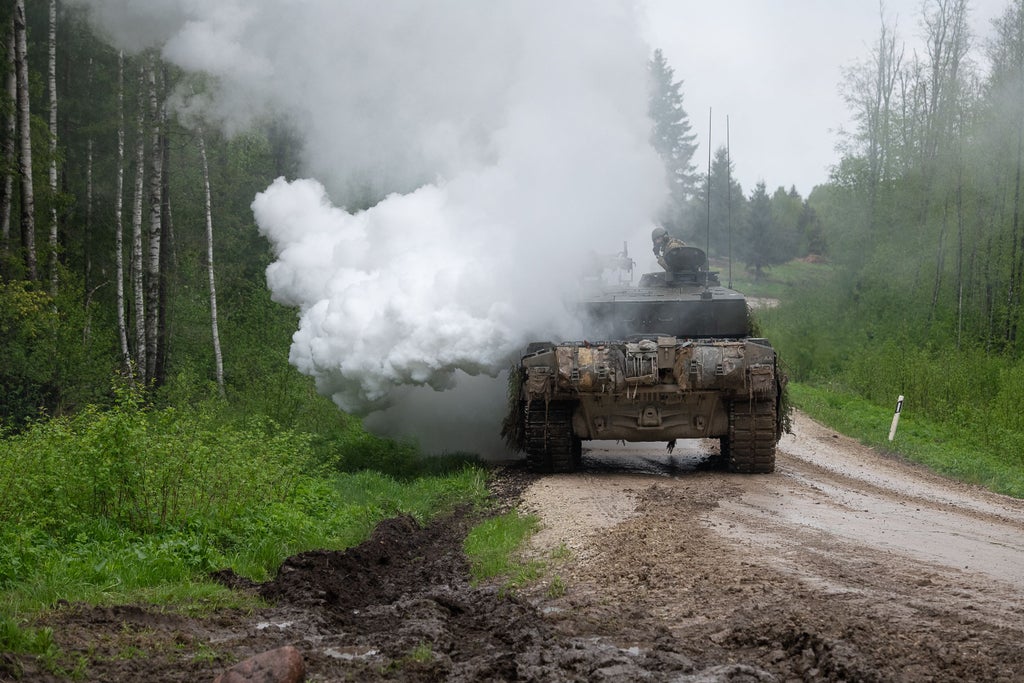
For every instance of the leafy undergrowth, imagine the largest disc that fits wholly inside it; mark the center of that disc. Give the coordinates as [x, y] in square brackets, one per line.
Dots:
[135, 504]
[964, 451]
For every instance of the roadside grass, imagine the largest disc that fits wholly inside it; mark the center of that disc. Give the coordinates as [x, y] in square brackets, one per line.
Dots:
[136, 504]
[961, 451]
[494, 549]
[777, 282]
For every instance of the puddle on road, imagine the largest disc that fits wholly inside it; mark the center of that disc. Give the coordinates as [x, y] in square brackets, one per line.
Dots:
[618, 457]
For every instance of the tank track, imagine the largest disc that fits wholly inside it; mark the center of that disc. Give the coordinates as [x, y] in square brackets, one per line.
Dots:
[551, 445]
[753, 435]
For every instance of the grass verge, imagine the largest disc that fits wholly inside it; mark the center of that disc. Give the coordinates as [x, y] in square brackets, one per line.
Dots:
[492, 548]
[777, 282]
[136, 504]
[958, 451]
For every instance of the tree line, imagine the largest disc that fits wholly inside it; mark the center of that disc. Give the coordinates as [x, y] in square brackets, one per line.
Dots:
[119, 214]
[113, 209]
[710, 209]
[923, 220]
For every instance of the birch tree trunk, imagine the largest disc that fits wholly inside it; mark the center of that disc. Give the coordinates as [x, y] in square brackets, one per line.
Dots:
[28, 200]
[155, 231]
[217, 357]
[10, 126]
[122, 329]
[167, 257]
[52, 87]
[137, 280]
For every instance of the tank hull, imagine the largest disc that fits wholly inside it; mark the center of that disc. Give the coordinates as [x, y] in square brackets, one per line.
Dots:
[650, 390]
[679, 363]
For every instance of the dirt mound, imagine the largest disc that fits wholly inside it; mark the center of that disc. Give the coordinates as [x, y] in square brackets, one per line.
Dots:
[399, 559]
[404, 606]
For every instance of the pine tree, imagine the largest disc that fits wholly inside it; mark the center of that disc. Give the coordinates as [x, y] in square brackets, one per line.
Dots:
[672, 138]
[727, 206]
[758, 249]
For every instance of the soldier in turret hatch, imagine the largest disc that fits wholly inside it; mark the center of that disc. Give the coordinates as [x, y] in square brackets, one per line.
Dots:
[664, 243]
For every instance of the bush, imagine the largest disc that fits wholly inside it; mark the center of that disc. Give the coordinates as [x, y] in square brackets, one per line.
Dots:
[103, 505]
[145, 470]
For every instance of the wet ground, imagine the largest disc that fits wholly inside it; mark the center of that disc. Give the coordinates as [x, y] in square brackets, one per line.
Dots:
[846, 564]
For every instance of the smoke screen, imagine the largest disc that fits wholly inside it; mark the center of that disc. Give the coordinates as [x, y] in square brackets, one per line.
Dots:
[499, 145]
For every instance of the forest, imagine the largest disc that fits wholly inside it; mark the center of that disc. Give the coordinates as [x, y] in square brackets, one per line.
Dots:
[138, 337]
[921, 229]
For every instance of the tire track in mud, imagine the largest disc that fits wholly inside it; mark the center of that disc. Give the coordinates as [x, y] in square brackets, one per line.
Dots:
[845, 565]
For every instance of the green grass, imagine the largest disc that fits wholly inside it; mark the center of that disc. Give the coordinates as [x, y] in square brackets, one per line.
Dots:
[492, 547]
[959, 451]
[777, 282]
[136, 504]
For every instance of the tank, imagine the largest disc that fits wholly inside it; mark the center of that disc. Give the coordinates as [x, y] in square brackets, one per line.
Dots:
[670, 358]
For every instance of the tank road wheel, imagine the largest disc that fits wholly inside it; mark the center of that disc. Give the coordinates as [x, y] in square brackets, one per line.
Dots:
[750, 446]
[551, 445]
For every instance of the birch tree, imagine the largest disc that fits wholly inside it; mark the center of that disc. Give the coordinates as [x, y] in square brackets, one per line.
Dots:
[869, 94]
[1006, 127]
[948, 43]
[153, 283]
[217, 357]
[52, 87]
[122, 331]
[136, 266]
[28, 201]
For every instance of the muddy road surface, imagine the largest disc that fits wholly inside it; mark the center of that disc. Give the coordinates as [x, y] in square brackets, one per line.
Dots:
[844, 565]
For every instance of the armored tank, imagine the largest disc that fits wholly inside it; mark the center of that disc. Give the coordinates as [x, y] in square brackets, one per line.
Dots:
[670, 358]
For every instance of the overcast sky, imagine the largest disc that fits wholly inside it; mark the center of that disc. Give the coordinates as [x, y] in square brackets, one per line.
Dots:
[774, 68]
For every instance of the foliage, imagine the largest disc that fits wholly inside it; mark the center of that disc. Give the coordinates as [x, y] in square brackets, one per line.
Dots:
[17, 638]
[44, 363]
[110, 504]
[759, 244]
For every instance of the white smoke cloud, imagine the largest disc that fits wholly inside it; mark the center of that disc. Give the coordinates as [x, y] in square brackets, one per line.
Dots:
[512, 135]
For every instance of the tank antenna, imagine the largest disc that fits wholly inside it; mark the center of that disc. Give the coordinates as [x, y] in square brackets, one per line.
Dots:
[728, 193]
[708, 239]
[708, 244]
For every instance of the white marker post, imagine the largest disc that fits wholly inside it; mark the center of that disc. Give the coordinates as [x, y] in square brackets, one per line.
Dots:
[896, 418]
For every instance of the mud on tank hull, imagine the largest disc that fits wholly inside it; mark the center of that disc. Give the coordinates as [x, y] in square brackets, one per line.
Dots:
[657, 389]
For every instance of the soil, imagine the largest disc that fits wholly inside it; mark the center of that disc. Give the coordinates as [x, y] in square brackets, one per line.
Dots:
[845, 565]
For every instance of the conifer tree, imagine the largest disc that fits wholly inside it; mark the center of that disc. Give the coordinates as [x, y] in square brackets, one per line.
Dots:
[672, 138]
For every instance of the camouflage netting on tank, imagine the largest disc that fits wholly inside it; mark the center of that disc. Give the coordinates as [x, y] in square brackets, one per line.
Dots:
[512, 428]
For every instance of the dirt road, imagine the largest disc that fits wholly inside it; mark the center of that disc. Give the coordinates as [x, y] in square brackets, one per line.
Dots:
[844, 565]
